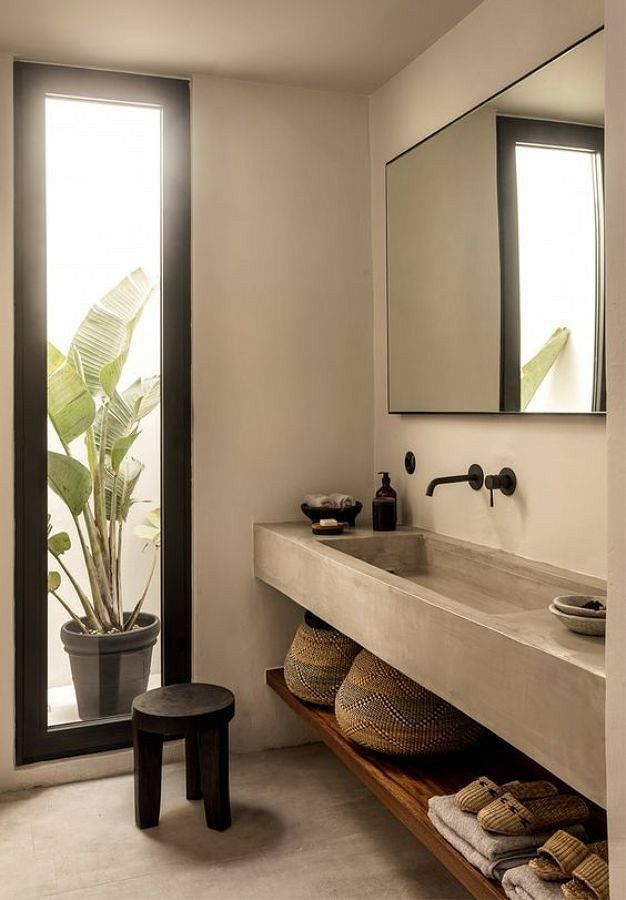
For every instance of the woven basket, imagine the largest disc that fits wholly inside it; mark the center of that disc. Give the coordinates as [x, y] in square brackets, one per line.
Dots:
[318, 661]
[381, 709]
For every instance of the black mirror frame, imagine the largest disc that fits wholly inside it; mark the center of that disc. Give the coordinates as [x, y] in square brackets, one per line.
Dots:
[502, 411]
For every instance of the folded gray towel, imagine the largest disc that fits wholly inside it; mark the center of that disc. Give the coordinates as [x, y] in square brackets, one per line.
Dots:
[492, 854]
[521, 883]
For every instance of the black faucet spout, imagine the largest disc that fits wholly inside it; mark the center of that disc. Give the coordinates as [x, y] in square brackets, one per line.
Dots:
[475, 477]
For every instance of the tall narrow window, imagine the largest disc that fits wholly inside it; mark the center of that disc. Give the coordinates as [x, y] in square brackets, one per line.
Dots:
[102, 401]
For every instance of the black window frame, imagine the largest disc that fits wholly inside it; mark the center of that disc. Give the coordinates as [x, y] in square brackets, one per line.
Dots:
[512, 131]
[32, 83]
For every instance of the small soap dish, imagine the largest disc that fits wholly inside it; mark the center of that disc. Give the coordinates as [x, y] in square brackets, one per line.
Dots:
[331, 527]
[592, 627]
[581, 605]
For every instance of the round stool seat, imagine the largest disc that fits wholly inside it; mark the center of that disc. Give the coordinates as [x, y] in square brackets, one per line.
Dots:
[172, 709]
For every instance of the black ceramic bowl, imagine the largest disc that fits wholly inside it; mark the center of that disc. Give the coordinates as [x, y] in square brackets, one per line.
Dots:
[347, 514]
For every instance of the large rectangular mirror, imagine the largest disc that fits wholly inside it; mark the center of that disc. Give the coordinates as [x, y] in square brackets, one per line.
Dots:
[495, 252]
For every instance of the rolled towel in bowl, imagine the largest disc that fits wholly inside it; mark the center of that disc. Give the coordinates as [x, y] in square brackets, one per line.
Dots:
[317, 501]
[341, 501]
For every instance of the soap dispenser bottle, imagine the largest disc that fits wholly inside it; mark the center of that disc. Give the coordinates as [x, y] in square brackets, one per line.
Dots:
[385, 506]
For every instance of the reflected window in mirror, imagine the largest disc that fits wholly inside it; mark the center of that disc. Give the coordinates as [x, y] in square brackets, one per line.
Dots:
[551, 226]
[495, 257]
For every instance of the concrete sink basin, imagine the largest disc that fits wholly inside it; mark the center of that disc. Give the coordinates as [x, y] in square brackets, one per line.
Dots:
[467, 576]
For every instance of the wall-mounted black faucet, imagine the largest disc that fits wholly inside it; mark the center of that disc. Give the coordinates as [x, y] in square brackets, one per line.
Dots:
[505, 481]
[475, 478]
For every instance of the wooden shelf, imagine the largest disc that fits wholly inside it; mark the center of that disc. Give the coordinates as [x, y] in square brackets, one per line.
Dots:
[405, 786]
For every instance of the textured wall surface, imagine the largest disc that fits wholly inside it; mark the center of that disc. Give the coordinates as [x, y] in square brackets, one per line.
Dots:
[555, 516]
[282, 371]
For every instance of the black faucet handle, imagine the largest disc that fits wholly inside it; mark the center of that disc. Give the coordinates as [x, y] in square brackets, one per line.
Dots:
[492, 483]
[505, 481]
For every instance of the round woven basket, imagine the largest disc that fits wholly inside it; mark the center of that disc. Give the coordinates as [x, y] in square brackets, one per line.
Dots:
[381, 709]
[318, 661]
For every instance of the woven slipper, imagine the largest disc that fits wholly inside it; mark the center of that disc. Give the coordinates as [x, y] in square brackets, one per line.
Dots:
[483, 791]
[560, 855]
[590, 880]
[508, 815]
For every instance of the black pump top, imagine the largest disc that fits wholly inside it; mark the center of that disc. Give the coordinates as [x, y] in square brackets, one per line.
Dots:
[385, 490]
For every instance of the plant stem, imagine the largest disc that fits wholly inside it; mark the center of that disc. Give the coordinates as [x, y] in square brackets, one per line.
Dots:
[100, 608]
[118, 572]
[101, 470]
[112, 553]
[97, 474]
[137, 609]
[96, 541]
[91, 616]
[72, 614]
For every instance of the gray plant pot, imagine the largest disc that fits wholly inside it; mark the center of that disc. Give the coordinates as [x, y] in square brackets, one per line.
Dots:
[109, 670]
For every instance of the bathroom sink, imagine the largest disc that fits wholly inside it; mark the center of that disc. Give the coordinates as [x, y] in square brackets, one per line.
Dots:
[468, 622]
[486, 581]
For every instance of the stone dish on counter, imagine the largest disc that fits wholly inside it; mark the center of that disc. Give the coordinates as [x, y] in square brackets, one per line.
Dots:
[580, 605]
[592, 627]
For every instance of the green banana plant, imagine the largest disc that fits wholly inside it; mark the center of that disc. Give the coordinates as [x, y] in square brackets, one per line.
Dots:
[84, 402]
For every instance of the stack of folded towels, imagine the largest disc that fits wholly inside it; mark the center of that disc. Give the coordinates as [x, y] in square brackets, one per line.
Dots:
[564, 867]
[500, 827]
[332, 501]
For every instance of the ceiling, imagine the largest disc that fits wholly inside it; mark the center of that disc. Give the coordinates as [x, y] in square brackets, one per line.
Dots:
[352, 45]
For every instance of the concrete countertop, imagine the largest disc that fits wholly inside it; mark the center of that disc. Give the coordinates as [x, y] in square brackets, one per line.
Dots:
[517, 670]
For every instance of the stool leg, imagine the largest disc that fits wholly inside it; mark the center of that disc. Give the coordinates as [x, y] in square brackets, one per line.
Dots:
[192, 767]
[148, 757]
[213, 749]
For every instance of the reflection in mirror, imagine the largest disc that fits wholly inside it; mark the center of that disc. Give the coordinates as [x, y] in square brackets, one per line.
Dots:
[495, 261]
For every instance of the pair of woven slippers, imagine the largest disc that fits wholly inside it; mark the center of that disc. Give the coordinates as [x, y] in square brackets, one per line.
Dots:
[582, 867]
[520, 807]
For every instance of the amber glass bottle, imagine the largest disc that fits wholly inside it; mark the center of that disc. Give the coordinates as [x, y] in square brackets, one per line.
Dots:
[385, 506]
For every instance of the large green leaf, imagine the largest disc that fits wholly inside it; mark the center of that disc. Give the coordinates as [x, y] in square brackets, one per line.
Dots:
[55, 358]
[105, 333]
[111, 373]
[70, 405]
[150, 528]
[125, 410]
[536, 369]
[70, 480]
[143, 395]
[120, 449]
[125, 483]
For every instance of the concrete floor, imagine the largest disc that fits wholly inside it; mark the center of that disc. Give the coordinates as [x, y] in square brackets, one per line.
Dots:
[303, 829]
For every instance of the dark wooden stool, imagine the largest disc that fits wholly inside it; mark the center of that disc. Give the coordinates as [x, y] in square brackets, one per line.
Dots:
[200, 713]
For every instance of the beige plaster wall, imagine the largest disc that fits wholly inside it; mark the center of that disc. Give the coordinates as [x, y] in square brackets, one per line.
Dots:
[556, 516]
[282, 356]
[616, 379]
